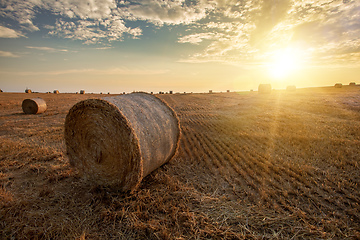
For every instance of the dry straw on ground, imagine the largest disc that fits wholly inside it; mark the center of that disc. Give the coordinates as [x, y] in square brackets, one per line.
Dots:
[116, 141]
[34, 106]
[291, 88]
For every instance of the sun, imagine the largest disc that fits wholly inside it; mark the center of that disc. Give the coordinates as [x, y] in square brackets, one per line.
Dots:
[283, 63]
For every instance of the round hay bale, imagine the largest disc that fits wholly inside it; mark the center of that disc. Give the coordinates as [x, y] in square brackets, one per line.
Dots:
[117, 141]
[264, 88]
[28, 91]
[34, 106]
[56, 91]
[338, 85]
[82, 91]
[352, 84]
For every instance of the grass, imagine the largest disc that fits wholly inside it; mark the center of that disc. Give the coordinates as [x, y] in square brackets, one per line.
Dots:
[249, 166]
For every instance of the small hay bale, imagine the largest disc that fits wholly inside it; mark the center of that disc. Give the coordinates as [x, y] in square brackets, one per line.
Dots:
[338, 85]
[34, 106]
[82, 91]
[352, 84]
[27, 90]
[1, 90]
[227, 91]
[210, 91]
[117, 141]
[56, 91]
[170, 92]
[264, 88]
[291, 88]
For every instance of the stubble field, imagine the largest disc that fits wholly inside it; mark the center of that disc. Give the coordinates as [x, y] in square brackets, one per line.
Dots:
[284, 165]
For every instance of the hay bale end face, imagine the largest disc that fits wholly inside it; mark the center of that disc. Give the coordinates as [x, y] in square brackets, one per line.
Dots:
[28, 91]
[56, 91]
[34, 106]
[117, 141]
[264, 88]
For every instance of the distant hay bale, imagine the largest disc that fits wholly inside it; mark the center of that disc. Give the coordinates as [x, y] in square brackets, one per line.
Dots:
[228, 91]
[338, 85]
[116, 141]
[27, 90]
[56, 91]
[291, 88]
[352, 84]
[34, 106]
[210, 91]
[1, 90]
[264, 88]
[82, 91]
[170, 92]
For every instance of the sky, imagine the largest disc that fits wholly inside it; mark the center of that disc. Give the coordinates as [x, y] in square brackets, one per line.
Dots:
[179, 45]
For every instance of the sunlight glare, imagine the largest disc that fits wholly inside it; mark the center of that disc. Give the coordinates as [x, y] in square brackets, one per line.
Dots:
[283, 63]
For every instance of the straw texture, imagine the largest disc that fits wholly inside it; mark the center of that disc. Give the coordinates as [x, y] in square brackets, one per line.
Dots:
[116, 141]
[34, 106]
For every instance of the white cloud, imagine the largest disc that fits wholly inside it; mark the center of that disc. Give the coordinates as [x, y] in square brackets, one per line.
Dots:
[198, 38]
[9, 33]
[94, 31]
[228, 30]
[322, 28]
[110, 71]
[170, 11]
[83, 9]
[47, 49]
[8, 54]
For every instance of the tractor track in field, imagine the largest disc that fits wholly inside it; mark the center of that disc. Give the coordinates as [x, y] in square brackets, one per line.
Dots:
[258, 166]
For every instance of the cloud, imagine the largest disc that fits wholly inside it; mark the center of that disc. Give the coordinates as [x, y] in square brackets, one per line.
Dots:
[198, 38]
[110, 71]
[91, 32]
[20, 11]
[258, 28]
[9, 33]
[224, 30]
[47, 49]
[8, 54]
[170, 12]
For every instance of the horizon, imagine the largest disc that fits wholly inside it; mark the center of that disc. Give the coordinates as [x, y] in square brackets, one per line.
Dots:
[183, 46]
[190, 92]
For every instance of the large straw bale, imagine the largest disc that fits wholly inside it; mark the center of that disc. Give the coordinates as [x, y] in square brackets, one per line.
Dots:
[116, 141]
[338, 85]
[34, 106]
[264, 88]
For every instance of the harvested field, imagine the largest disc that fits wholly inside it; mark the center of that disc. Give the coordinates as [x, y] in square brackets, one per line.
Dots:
[283, 165]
